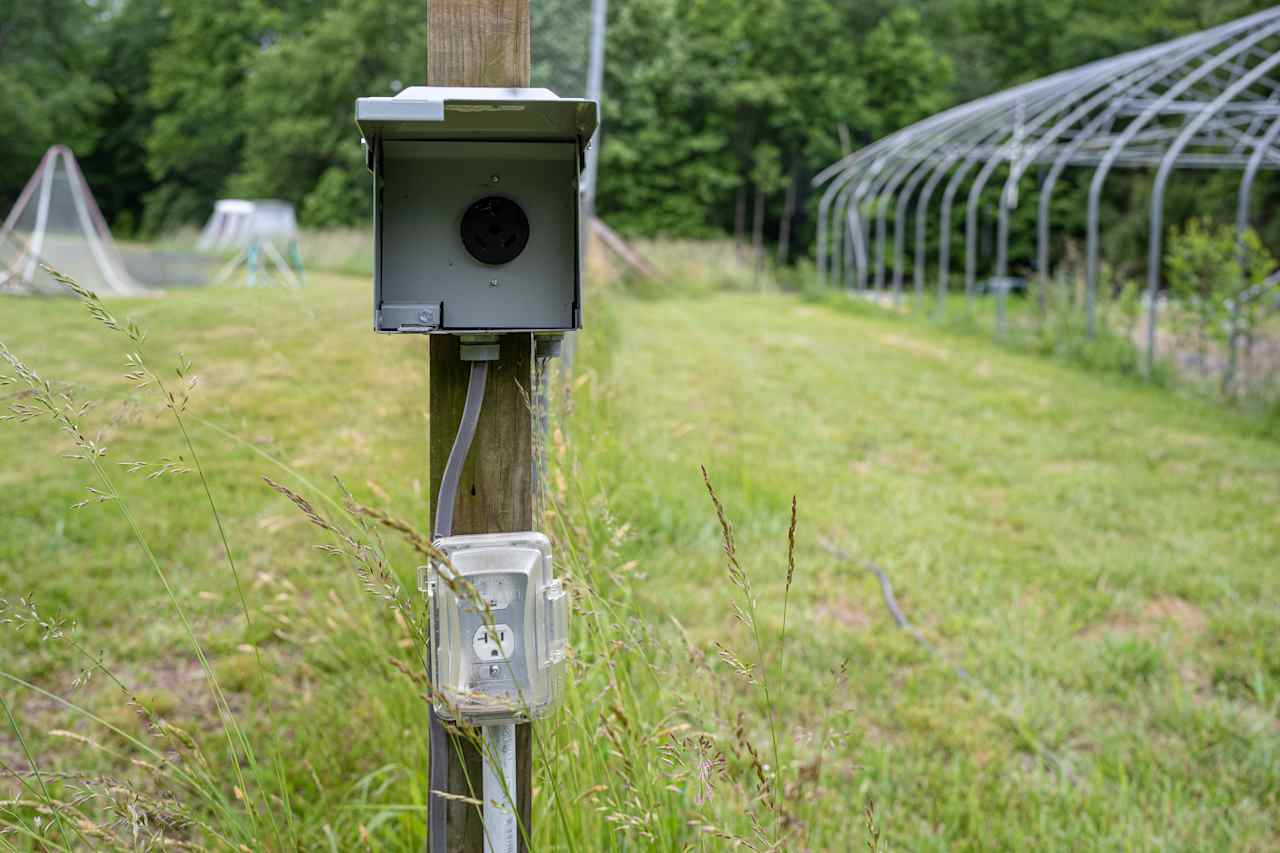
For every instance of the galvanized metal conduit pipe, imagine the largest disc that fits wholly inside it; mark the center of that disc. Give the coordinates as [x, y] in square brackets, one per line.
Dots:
[1057, 103]
[1064, 159]
[981, 133]
[976, 107]
[909, 164]
[1045, 88]
[935, 172]
[912, 155]
[1131, 131]
[1155, 243]
[1243, 203]
[848, 208]
[842, 173]
[1108, 89]
[1008, 195]
[888, 193]
[913, 168]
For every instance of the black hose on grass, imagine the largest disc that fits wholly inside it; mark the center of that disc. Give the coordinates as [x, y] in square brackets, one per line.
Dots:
[899, 619]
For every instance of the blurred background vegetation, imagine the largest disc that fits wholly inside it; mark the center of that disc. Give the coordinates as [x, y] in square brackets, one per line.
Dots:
[171, 104]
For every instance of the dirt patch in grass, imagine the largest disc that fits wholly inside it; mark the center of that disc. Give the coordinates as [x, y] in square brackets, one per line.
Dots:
[12, 758]
[842, 612]
[910, 459]
[1066, 467]
[1158, 615]
[1186, 439]
[1189, 619]
[913, 346]
[184, 679]
[174, 689]
[35, 714]
[791, 343]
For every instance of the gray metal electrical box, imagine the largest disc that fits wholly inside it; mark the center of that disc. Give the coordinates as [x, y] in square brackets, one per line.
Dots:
[475, 208]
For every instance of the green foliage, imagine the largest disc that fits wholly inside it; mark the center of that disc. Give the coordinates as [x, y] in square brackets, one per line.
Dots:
[116, 166]
[173, 103]
[705, 101]
[50, 94]
[1210, 267]
[1202, 269]
[1217, 280]
[1010, 41]
[907, 77]
[176, 104]
[197, 89]
[336, 199]
[1120, 307]
[303, 145]
[559, 32]
[666, 157]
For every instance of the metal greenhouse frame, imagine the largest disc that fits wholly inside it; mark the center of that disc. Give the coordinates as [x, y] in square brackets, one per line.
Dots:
[1205, 101]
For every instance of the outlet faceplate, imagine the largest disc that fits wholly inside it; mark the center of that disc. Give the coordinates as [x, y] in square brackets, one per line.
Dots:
[494, 644]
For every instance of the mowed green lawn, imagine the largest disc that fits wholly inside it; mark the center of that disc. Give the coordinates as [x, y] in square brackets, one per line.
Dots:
[1104, 559]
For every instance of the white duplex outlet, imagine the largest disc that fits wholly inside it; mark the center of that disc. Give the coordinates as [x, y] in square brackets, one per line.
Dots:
[494, 644]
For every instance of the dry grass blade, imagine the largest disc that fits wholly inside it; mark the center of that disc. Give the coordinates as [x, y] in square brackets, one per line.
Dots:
[744, 670]
[753, 757]
[412, 535]
[445, 795]
[304, 506]
[873, 827]
[736, 574]
[748, 615]
[791, 546]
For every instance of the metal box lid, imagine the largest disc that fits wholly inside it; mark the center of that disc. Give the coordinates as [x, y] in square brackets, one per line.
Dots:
[477, 113]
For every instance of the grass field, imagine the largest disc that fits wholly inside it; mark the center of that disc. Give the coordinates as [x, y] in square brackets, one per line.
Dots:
[1101, 557]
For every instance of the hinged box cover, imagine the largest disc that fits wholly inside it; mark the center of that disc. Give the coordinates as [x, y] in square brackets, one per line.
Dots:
[476, 208]
[499, 626]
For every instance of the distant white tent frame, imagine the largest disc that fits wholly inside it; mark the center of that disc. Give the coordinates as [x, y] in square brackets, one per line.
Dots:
[287, 270]
[236, 222]
[20, 272]
[254, 228]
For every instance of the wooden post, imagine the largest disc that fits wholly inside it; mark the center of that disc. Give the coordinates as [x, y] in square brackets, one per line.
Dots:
[478, 43]
[483, 43]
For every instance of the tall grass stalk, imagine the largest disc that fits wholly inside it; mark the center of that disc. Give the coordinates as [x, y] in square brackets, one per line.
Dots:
[35, 770]
[66, 415]
[176, 404]
[206, 791]
[749, 618]
[786, 590]
[41, 401]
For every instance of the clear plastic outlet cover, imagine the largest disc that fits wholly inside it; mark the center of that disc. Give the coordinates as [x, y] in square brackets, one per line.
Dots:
[499, 626]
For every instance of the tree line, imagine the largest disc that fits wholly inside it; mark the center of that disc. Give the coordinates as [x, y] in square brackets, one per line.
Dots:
[717, 114]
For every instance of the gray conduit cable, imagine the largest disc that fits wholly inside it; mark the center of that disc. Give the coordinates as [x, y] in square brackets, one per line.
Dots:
[461, 447]
[448, 496]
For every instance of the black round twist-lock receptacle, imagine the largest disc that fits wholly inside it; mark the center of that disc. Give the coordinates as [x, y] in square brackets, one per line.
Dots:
[495, 230]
